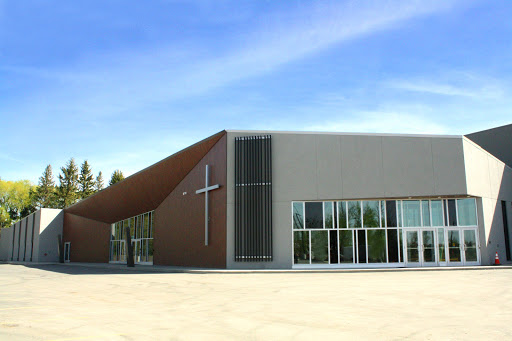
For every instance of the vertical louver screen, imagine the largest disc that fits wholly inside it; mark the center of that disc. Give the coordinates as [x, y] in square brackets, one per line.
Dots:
[253, 199]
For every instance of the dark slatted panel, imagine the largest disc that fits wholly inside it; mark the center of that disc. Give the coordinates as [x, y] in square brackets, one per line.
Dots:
[253, 199]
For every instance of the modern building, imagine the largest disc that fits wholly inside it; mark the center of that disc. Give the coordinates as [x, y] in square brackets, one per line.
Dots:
[281, 200]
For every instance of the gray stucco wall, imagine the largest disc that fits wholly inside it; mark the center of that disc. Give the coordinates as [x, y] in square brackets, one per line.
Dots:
[5, 243]
[309, 166]
[489, 178]
[44, 225]
[51, 224]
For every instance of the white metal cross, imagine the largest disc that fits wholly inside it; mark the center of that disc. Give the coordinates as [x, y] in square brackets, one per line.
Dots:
[205, 190]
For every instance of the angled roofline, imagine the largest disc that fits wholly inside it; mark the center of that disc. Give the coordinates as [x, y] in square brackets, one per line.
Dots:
[180, 163]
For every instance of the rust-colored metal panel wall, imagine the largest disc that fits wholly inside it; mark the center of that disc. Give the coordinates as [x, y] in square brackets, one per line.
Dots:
[89, 239]
[179, 220]
[145, 190]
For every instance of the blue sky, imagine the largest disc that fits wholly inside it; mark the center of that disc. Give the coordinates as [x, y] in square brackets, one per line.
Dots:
[124, 84]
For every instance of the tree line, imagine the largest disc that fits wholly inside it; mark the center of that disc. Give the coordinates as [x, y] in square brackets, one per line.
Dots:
[20, 198]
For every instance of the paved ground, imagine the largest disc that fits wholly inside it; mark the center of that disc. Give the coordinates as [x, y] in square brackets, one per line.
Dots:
[65, 302]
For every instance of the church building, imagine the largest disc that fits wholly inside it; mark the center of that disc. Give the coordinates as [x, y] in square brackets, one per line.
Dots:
[293, 200]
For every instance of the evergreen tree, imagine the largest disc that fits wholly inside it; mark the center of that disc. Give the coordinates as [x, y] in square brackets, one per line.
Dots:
[45, 194]
[85, 181]
[68, 188]
[98, 185]
[116, 177]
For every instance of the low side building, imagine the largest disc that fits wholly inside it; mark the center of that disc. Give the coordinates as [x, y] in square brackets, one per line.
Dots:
[33, 238]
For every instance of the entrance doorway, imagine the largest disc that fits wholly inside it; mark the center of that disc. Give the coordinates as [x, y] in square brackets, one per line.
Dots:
[420, 247]
[462, 247]
[67, 247]
[427, 247]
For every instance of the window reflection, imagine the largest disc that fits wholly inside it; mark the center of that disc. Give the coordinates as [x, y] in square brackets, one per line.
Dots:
[319, 248]
[141, 231]
[301, 247]
[298, 215]
[342, 214]
[371, 214]
[354, 214]
[328, 221]
[376, 246]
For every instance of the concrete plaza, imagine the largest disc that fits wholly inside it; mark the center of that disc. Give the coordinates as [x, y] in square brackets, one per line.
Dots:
[76, 302]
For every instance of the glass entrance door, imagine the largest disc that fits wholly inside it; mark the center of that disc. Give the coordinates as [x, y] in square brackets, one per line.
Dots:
[412, 246]
[428, 248]
[454, 247]
[67, 247]
[420, 247]
[470, 247]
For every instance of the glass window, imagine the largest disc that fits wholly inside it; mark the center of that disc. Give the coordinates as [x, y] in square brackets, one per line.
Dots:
[391, 213]
[146, 225]
[452, 216]
[425, 212]
[354, 214]
[150, 250]
[411, 213]
[441, 244]
[314, 215]
[346, 246]
[392, 246]
[376, 246]
[399, 213]
[328, 221]
[298, 215]
[437, 212]
[333, 246]
[361, 246]
[401, 244]
[454, 245]
[470, 245]
[383, 213]
[151, 223]
[319, 247]
[466, 208]
[301, 247]
[371, 214]
[342, 214]
[413, 255]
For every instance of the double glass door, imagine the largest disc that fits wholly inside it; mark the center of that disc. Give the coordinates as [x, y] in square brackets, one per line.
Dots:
[462, 247]
[420, 247]
[427, 247]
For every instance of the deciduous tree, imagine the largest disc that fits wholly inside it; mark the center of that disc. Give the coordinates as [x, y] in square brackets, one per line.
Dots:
[15, 200]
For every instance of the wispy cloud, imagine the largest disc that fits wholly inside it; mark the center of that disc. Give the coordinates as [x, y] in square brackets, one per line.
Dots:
[117, 83]
[456, 84]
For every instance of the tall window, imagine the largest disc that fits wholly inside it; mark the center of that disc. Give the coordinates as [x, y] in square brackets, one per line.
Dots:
[141, 232]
